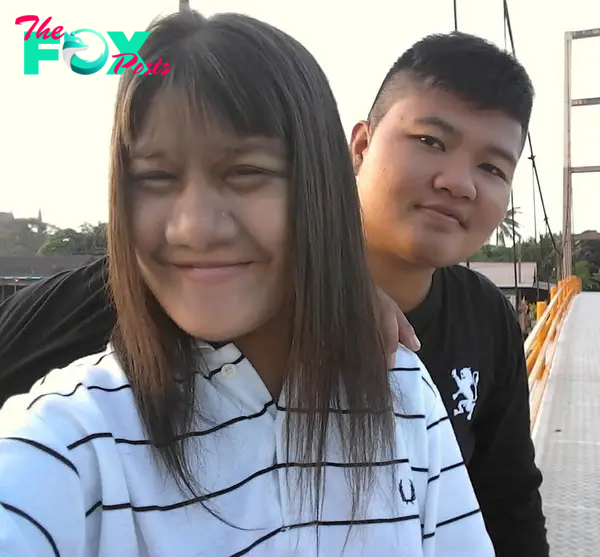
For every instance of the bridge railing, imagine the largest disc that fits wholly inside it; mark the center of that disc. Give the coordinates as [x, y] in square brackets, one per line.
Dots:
[541, 342]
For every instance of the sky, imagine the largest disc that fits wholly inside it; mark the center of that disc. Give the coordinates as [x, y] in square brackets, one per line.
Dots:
[56, 125]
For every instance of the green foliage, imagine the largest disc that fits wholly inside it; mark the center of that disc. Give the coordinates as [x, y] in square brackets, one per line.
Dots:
[22, 236]
[505, 229]
[541, 252]
[586, 258]
[88, 240]
[34, 237]
[590, 280]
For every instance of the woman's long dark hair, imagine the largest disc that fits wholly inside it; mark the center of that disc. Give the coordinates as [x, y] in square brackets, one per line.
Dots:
[259, 81]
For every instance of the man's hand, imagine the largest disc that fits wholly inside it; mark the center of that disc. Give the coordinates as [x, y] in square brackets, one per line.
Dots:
[394, 327]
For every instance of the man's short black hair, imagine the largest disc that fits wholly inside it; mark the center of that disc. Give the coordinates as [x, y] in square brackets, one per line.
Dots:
[465, 65]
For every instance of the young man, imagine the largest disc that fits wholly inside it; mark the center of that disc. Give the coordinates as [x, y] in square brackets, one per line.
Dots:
[434, 165]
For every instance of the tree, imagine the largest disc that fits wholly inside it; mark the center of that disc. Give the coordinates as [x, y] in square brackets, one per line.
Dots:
[541, 251]
[505, 229]
[95, 239]
[22, 236]
[586, 257]
[88, 240]
[588, 250]
[590, 281]
[64, 242]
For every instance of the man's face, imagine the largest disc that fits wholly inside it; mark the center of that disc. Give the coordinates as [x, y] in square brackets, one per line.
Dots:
[434, 177]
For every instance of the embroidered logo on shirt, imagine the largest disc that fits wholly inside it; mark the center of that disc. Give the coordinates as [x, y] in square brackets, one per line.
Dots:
[413, 494]
[467, 381]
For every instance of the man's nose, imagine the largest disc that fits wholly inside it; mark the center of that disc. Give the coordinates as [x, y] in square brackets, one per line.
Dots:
[457, 178]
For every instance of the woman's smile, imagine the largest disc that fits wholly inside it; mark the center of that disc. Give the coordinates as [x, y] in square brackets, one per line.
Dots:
[213, 271]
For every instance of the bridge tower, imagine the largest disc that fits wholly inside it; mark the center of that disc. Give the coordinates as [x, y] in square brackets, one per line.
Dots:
[568, 169]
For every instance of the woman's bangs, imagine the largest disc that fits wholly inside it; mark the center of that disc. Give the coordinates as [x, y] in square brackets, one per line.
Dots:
[224, 93]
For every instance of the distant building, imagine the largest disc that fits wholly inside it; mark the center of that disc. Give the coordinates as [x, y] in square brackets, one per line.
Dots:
[502, 274]
[7, 218]
[18, 272]
[587, 235]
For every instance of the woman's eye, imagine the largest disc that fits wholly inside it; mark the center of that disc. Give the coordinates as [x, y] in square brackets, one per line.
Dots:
[154, 175]
[248, 171]
[153, 179]
[247, 178]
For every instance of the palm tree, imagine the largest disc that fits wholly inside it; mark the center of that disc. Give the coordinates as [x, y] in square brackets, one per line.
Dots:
[184, 5]
[505, 228]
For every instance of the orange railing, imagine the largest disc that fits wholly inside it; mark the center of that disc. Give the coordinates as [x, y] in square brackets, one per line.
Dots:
[541, 342]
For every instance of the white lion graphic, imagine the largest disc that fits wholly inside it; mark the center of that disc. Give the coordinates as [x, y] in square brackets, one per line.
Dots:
[466, 381]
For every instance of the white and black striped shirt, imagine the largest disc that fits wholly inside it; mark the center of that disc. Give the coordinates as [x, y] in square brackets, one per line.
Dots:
[78, 479]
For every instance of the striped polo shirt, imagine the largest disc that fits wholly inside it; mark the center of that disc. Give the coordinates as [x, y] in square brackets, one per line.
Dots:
[78, 478]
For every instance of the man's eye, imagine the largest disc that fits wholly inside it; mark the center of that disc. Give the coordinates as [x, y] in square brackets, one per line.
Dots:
[493, 170]
[430, 141]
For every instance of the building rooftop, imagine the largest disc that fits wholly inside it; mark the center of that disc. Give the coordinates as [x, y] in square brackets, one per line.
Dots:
[502, 273]
[38, 266]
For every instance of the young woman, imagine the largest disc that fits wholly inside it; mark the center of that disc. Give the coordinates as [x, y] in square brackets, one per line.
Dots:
[244, 405]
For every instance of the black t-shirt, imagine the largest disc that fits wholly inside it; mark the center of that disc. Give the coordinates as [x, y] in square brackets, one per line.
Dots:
[472, 346]
[465, 327]
[51, 323]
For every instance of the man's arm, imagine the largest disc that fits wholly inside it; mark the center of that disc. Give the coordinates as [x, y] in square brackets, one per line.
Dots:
[52, 323]
[69, 315]
[502, 469]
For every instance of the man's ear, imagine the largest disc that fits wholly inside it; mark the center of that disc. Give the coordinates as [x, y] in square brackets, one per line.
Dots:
[359, 143]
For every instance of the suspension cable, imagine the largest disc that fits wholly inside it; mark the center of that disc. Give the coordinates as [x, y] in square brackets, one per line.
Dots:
[538, 247]
[531, 154]
[454, 4]
[455, 16]
[512, 204]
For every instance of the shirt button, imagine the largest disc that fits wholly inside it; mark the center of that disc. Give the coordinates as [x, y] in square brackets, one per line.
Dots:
[228, 370]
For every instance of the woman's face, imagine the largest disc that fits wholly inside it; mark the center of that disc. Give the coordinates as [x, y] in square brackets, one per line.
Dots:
[209, 221]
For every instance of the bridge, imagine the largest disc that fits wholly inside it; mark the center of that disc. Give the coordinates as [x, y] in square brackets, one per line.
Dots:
[563, 361]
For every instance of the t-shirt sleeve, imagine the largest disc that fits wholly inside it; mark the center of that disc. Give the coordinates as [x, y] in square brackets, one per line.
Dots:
[41, 499]
[453, 525]
[52, 323]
